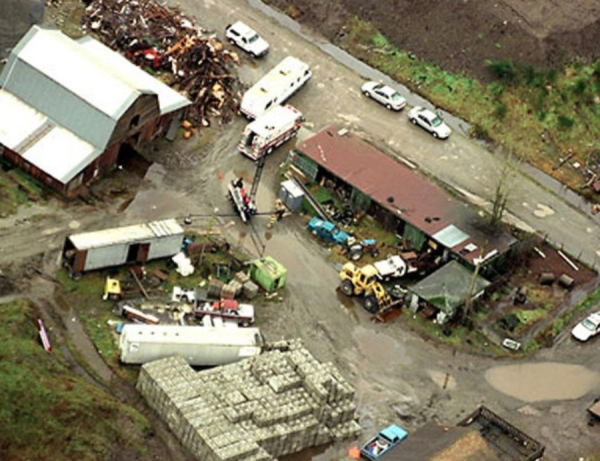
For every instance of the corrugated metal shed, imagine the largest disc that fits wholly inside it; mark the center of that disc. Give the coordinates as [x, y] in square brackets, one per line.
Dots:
[61, 100]
[127, 234]
[405, 193]
[41, 142]
[55, 75]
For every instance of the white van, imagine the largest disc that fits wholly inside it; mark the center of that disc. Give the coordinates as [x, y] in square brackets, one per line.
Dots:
[275, 87]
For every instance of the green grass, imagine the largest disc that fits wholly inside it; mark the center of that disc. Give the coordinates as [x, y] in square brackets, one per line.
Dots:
[461, 338]
[47, 411]
[513, 110]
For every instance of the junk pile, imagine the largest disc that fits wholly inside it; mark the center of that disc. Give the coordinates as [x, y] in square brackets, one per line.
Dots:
[260, 408]
[189, 59]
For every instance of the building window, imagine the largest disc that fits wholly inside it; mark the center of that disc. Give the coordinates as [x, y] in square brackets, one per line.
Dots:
[135, 121]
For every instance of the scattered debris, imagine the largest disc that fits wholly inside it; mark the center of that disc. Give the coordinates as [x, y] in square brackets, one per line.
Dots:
[511, 344]
[44, 336]
[569, 262]
[189, 59]
[184, 264]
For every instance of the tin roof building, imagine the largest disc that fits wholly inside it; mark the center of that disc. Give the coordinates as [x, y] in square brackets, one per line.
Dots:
[67, 107]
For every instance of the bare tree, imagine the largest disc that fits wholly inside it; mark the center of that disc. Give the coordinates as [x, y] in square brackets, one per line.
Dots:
[502, 191]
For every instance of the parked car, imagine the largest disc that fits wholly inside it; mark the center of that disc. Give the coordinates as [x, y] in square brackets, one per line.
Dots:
[328, 231]
[429, 121]
[243, 36]
[588, 327]
[385, 95]
[376, 447]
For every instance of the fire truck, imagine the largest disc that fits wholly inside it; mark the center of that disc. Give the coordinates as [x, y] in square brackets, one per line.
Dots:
[269, 131]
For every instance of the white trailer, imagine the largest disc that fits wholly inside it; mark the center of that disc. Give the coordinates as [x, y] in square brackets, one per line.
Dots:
[269, 131]
[114, 247]
[275, 87]
[198, 345]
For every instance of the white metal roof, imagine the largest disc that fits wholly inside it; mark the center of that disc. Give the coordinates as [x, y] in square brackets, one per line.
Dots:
[17, 120]
[61, 154]
[127, 234]
[176, 334]
[119, 67]
[53, 149]
[64, 61]
[61, 99]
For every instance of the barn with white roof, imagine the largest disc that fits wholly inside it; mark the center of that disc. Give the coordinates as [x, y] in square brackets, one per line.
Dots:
[68, 108]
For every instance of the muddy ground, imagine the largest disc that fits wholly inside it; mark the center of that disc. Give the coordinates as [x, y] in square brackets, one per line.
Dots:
[397, 375]
[460, 35]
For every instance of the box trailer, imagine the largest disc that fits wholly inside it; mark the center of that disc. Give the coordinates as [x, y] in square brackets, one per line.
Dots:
[123, 245]
[198, 345]
[275, 87]
[269, 131]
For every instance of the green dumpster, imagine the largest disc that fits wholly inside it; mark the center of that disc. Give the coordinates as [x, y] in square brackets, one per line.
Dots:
[268, 273]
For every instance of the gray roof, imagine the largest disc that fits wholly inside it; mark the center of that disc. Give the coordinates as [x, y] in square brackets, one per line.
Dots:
[448, 287]
[81, 86]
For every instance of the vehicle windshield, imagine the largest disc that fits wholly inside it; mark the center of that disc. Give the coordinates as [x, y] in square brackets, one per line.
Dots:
[436, 121]
[396, 97]
[588, 325]
[253, 38]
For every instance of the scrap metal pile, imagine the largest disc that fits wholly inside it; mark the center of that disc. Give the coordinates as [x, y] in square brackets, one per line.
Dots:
[186, 57]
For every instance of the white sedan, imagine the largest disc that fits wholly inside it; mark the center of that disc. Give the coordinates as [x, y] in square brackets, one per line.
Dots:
[587, 328]
[429, 121]
[385, 95]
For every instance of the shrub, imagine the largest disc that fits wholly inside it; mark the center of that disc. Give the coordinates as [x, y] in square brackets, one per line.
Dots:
[503, 69]
[565, 122]
[501, 110]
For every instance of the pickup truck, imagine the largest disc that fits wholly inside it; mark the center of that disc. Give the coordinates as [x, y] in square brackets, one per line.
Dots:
[328, 231]
[227, 309]
[383, 442]
[391, 268]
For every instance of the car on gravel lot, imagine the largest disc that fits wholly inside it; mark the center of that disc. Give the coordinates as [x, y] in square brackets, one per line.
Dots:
[429, 121]
[239, 34]
[588, 327]
[384, 95]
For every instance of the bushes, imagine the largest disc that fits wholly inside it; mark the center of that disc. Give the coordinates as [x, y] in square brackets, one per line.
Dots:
[503, 69]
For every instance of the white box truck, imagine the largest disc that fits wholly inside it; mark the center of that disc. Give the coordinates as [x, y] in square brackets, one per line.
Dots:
[269, 131]
[275, 87]
[198, 345]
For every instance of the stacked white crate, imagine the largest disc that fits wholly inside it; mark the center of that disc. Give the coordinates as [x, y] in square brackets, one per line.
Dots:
[258, 409]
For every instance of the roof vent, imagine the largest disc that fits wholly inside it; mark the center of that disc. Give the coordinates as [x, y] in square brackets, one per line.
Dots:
[342, 131]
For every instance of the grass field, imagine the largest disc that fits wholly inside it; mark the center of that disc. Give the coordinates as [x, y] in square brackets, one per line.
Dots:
[49, 412]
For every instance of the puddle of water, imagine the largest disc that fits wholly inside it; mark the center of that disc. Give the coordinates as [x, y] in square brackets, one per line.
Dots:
[536, 382]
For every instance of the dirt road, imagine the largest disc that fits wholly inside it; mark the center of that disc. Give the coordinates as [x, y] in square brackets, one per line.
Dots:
[398, 376]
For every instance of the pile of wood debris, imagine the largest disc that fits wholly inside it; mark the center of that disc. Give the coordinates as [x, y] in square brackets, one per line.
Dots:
[186, 57]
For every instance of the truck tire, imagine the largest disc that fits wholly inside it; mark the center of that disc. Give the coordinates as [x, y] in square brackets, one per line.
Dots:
[413, 121]
[245, 324]
[355, 255]
[370, 304]
[347, 288]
